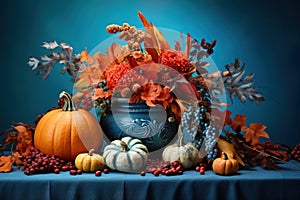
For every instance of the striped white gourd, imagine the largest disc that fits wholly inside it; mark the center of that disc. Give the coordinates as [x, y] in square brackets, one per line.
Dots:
[126, 155]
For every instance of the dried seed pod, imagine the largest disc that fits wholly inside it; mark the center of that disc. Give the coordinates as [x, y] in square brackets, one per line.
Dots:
[128, 33]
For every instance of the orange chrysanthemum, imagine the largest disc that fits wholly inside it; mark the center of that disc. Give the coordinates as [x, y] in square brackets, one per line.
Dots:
[176, 60]
[115, 73]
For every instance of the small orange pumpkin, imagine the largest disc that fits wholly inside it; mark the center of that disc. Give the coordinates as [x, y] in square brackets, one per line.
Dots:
[68, 131]
[225, 165]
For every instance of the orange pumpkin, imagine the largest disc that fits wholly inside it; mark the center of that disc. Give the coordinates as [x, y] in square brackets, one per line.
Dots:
[68, 131]
[225, 165]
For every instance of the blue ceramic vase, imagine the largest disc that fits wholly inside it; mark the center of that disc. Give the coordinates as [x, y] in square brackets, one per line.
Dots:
[154, 126]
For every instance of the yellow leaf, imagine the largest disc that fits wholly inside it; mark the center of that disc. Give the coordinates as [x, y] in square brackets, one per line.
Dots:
[228, 148]
[82, 83]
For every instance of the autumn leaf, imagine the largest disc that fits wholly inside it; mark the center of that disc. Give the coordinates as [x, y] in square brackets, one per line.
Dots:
[85, 57]
[229, 149]
[81, 83]
[17, 158]
[157, 39]
[117, 53]
[238, 122]
[253, 133]
[24, 140]
[136, 96]
[11, 137]
[100, 93]
[189, 90]
[165, 98]
[188, 46]
[177, 109]
[150, 92]
[6, 163]
[228, 120]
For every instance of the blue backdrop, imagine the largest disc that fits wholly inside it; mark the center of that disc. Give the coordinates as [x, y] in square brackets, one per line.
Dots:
[264, 34]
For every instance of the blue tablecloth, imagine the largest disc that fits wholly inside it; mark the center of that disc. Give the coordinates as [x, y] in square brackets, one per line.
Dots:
[256, 183]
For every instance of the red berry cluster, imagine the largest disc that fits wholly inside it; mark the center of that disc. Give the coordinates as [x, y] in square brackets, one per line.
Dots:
[175, 168]
[295, 153]
[201, 168]
[75, 172]
[60, 103]
[37, 162]
[99, 172]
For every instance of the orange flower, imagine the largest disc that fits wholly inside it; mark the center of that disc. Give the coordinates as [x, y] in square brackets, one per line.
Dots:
[176, 60]
[150, 92]
[165, 97]
[115, 73]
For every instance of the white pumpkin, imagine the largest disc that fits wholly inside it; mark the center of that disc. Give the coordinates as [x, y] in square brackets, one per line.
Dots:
[126, 155]
[187, 154]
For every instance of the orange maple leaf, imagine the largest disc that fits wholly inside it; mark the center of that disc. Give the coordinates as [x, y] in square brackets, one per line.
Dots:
[24, 139]
[6, 163]
[253, 133]
[239, 121]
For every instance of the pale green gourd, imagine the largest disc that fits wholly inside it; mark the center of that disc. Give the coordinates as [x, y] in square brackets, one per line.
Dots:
[126, 155]
[187, 154]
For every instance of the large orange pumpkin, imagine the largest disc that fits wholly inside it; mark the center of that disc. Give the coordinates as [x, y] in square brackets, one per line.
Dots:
[68, 131]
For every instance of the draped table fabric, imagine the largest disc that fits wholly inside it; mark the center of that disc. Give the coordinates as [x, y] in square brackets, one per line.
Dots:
[256, 183]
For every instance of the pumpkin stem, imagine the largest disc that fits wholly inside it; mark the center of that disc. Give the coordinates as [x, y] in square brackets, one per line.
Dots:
[69, 103]
[180, 136]
[225, 156]
[91, 151]
[124, 146]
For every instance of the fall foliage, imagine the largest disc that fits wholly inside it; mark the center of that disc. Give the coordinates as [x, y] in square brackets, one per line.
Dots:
[20, 135]
[6, 163]
[253, 133]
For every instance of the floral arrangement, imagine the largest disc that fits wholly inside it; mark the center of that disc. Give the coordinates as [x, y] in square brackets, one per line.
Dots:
[147, 70]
